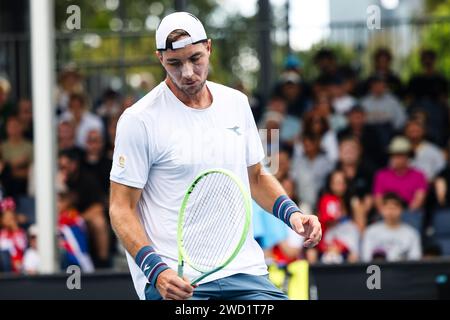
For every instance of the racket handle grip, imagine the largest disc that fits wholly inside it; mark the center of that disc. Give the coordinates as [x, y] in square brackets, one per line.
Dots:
[180, 270]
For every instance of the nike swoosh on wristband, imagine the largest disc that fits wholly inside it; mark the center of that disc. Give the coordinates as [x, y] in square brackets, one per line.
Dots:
[146, 267]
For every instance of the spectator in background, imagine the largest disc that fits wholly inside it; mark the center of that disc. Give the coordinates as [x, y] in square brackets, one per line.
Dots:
[95, 161]
[333, 206]
[430, 84]
[428, 158]
[294, 91]
[326, 63]
[111, 134]
[66, 136]
[70, 82]
[400, 178]
[322, 106]
[373, 152]
[110, 105]
[83, 119]
[390, 237]
[73, 235]
[17, 153]
[6, 107]
[342, 101]
[382, 108]
[309, 169]
[442, 185]
[284, 157]
[89, 201]
[31, 259]
[316, 124]
[382, 60]
[25, 116]
[13, 239]
[358, 174]
[289, 125]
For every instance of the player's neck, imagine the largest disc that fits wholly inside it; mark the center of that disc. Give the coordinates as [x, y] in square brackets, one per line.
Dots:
[201, 100]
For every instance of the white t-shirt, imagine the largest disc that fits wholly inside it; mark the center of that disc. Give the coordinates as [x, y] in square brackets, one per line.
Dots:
[401, 243]
[162, 145]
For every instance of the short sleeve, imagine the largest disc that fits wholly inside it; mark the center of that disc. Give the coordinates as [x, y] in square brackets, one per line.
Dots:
[131, 159]
[254, 151]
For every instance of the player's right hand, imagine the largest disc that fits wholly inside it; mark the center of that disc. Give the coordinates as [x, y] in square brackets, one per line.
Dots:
[172, 287]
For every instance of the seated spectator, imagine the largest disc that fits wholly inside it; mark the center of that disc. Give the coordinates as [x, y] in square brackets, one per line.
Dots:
[428, 158]
[322, 107]
[383, 109]
[82, 118]
[315, 124]
[358, 174]
[6, 107]
[66, 137]
[442, 186]
[408, 183]
[373, 151]
[89, 201]
[326, 63]
[95, 161]
[17, 154]
[25, 116]
[284, 157]
[391, 238]
[310, 168]
[110, 105]
[111, 137]
[70, 81]
[342, 101]
[73, 235]
[429, 84]
[31, 259]
[289, 125]
[13, 239]
[382, 60]
[294, 91]
[342, 243]
[332, 206]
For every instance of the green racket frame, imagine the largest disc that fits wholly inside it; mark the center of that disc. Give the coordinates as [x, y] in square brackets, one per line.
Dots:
[182, 256]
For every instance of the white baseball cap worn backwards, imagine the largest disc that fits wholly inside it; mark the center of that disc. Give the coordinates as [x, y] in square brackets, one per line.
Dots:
[183, 21]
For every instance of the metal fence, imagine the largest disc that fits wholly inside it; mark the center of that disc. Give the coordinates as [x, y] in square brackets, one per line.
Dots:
[102, 56]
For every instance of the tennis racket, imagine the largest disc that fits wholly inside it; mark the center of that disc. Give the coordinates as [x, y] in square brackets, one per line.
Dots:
[213, 222]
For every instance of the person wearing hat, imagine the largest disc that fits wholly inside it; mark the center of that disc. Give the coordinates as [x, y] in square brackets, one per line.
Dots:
[159, 148]
[400, 177]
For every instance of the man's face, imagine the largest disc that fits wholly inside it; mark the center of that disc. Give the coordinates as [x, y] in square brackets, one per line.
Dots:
[356, 119]
[399, 161]
[67, 167]
[414, 132]
[391, 212]
[187, 67]
[349, 152]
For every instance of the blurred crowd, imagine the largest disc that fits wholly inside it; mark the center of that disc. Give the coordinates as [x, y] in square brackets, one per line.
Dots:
[85, 144]
[369, 156]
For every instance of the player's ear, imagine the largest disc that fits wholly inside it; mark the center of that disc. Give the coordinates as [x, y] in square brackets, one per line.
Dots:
[159, 55]
[209, 46]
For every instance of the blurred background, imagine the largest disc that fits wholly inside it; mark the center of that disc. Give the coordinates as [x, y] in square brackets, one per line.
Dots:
[358, 92]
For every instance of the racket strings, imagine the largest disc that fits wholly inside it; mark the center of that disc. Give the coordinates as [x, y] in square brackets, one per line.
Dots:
[227, 199]
[211, 254]
[196, 211]
[214, 221]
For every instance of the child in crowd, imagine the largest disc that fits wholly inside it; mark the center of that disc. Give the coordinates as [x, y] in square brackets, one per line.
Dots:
[394, 239]
[13, 239]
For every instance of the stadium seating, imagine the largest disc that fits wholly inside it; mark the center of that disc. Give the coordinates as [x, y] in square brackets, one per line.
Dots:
[441, 226]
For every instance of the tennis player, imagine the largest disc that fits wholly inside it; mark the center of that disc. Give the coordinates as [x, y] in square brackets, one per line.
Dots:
[185, 125]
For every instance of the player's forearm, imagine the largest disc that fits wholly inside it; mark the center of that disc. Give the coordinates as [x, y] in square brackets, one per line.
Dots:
[265, 188]
[128, 229]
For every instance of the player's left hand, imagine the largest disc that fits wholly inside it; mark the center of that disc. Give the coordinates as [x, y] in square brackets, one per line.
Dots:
[307, 226]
